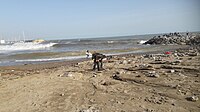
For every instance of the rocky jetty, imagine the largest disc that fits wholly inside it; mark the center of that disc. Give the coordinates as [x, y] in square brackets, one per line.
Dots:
[175, 39]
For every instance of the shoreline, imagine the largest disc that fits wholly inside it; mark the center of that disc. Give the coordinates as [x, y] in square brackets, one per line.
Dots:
[74, 61]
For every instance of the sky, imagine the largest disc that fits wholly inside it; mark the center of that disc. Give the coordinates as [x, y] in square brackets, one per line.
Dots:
[66, 19]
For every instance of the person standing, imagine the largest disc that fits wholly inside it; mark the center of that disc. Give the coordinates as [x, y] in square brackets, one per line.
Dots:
[87, 54]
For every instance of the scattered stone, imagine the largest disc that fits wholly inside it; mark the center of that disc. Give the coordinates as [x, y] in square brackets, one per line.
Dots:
[145, 67]
[116, 77]
[105, 83]
[166, 67]
[117, 72]
[149, 110]
[37, 72]
[125, 62]
[132, 62]
[92, 100]
[153, 74]
[171, 71]
[156, 99]
[192, 54]
[120, 62]
[94, 75]
[158, 62]
[126, 91]
[124, 58]
[90, 109]
[192, 98]
[66, 74]
[177, 61]
[156, 75]
[134, 72]
[62, 94]
[121, 72]
[129, 61]
[138, 76]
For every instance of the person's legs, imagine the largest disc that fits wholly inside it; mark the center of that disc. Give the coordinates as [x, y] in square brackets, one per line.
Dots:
[94, 66]
[97, 65]
[101, 62]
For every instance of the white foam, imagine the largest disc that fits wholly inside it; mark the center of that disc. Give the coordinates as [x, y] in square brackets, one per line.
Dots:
[24, 46]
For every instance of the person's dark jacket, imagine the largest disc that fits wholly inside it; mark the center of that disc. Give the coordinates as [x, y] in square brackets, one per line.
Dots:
[98, 57]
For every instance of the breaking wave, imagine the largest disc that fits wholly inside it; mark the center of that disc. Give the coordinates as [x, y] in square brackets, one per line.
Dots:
[25, 46]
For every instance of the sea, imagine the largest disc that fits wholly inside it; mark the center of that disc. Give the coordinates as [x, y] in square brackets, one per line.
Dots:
[21, 53]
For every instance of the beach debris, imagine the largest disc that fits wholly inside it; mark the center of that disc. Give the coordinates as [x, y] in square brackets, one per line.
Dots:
[192, 98]
[168, 52]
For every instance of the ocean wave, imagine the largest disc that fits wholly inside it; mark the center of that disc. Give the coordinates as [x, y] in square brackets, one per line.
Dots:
[25, 46]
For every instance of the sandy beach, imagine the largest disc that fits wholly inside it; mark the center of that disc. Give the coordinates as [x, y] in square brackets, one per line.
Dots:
[128, 83]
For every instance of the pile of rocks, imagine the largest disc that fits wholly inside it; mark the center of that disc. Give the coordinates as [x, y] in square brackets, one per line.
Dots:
[175, 39]
[194, 41]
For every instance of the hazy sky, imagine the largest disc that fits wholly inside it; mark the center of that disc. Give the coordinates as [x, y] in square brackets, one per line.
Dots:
[56, 19]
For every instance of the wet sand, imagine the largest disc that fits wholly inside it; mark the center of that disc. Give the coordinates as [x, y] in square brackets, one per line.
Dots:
[128, 83]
